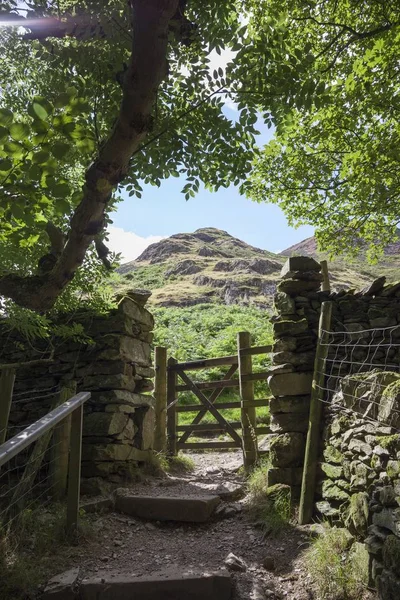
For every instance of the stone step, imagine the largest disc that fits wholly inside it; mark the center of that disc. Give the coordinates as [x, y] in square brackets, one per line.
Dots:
[170, 584]
[167, 508]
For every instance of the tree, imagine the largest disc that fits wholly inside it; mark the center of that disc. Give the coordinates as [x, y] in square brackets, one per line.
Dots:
[100, 96]
[333, 91]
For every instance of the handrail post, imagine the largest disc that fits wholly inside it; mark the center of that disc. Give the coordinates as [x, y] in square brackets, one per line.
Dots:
[171, 413]
[313, 435]
[160, 394]
[74, 470]
[248, 412]
[7, 379]
[61, 438]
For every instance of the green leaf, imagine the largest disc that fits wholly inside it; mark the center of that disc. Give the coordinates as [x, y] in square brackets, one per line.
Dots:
[61, 190]
[3, 133]
[6, 117]
[40, 111]
[5, 165]
[41, 157]
[15, 149]
[19, 131]
[60, 149]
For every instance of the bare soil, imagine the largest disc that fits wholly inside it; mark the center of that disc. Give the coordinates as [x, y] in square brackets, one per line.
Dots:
[122, 544]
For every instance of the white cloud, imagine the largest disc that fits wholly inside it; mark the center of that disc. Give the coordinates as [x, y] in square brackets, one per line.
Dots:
[128, 243]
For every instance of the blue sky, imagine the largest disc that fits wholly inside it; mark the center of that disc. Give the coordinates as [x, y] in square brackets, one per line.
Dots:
[163, 211]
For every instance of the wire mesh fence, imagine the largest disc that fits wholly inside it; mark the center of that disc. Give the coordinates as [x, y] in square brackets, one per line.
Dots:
[28, 479]
[359, 367]
[35, 461]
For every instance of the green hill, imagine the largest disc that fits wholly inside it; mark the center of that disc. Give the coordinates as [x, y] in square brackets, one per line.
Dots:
[209, 266]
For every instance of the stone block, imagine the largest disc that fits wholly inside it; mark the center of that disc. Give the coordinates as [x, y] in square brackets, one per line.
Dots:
[144, 418]
[109, 452]
[332, 491]
[297, 359]
[167, 508]
[125, 397]
[300, 263]
[104, 424]
[289, 327]
[291, 384]
[172, 584]
[294, 287]
[287, 422]
[289, 404]
[287, 450]
[109, 382]
[62, 586]
[284, 304]
[391, 554]
[287, 475]
[136, 313]
[388, 518]
[357, 514]
[126, 348]
[388, 586]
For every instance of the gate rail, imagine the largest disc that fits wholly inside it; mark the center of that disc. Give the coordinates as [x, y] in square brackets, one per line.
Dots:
[167, 396]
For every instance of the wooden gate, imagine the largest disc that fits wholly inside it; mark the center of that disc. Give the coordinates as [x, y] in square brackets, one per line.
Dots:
[243, 434]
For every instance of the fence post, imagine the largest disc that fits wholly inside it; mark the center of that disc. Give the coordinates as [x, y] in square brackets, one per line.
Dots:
[74, 470]
[171, 412]
[61, 439]
[248, 413]
[313, 435]
[7, 378]
[160, 394]
[326, 286]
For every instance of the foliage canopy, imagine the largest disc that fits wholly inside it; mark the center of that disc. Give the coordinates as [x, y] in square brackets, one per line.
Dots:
[331, 82]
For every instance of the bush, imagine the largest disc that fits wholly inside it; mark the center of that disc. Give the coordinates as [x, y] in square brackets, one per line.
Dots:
[338, 567]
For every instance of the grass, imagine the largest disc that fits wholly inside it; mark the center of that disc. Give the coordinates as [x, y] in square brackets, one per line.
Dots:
[269, 507]
[34, 549]
[338, 568]
[161, 464]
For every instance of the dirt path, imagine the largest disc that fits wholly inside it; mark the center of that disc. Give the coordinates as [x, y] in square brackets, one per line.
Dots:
[126, 545]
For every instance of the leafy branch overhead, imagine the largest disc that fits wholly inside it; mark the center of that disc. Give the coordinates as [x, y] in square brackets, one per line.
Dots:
[333, 162]
[63, 160]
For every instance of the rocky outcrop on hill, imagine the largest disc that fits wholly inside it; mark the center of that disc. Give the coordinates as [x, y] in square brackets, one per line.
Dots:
[211, 266]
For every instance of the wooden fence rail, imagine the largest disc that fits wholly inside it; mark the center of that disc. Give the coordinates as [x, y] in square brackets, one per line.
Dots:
[243, 433]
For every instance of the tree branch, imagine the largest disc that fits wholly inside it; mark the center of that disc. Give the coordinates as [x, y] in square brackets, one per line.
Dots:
[146, 70]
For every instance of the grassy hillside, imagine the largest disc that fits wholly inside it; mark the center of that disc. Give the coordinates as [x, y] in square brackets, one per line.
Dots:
[209, 266]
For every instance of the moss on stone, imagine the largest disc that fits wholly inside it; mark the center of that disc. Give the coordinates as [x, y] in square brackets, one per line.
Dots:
[333, 455]
[357, 514]
[393, 469]
[390, 442]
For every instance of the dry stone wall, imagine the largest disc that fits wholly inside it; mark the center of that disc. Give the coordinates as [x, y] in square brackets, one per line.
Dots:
[359, 468]
[116, 368]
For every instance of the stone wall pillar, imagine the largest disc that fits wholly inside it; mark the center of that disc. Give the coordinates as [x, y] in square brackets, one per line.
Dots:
[297, 303]
[115, 367]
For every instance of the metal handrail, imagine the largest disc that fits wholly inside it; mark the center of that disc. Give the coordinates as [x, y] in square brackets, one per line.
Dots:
[73, 407]
[23, 439]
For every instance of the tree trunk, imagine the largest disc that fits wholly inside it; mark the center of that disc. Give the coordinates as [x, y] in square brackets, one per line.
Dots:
[146, 70]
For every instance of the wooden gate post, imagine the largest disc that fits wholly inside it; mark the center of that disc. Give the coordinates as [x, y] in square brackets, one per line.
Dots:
[61, 438]
[313, 435]
[160, 394]
[171, 412]
[248, 413]
[7, 378]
